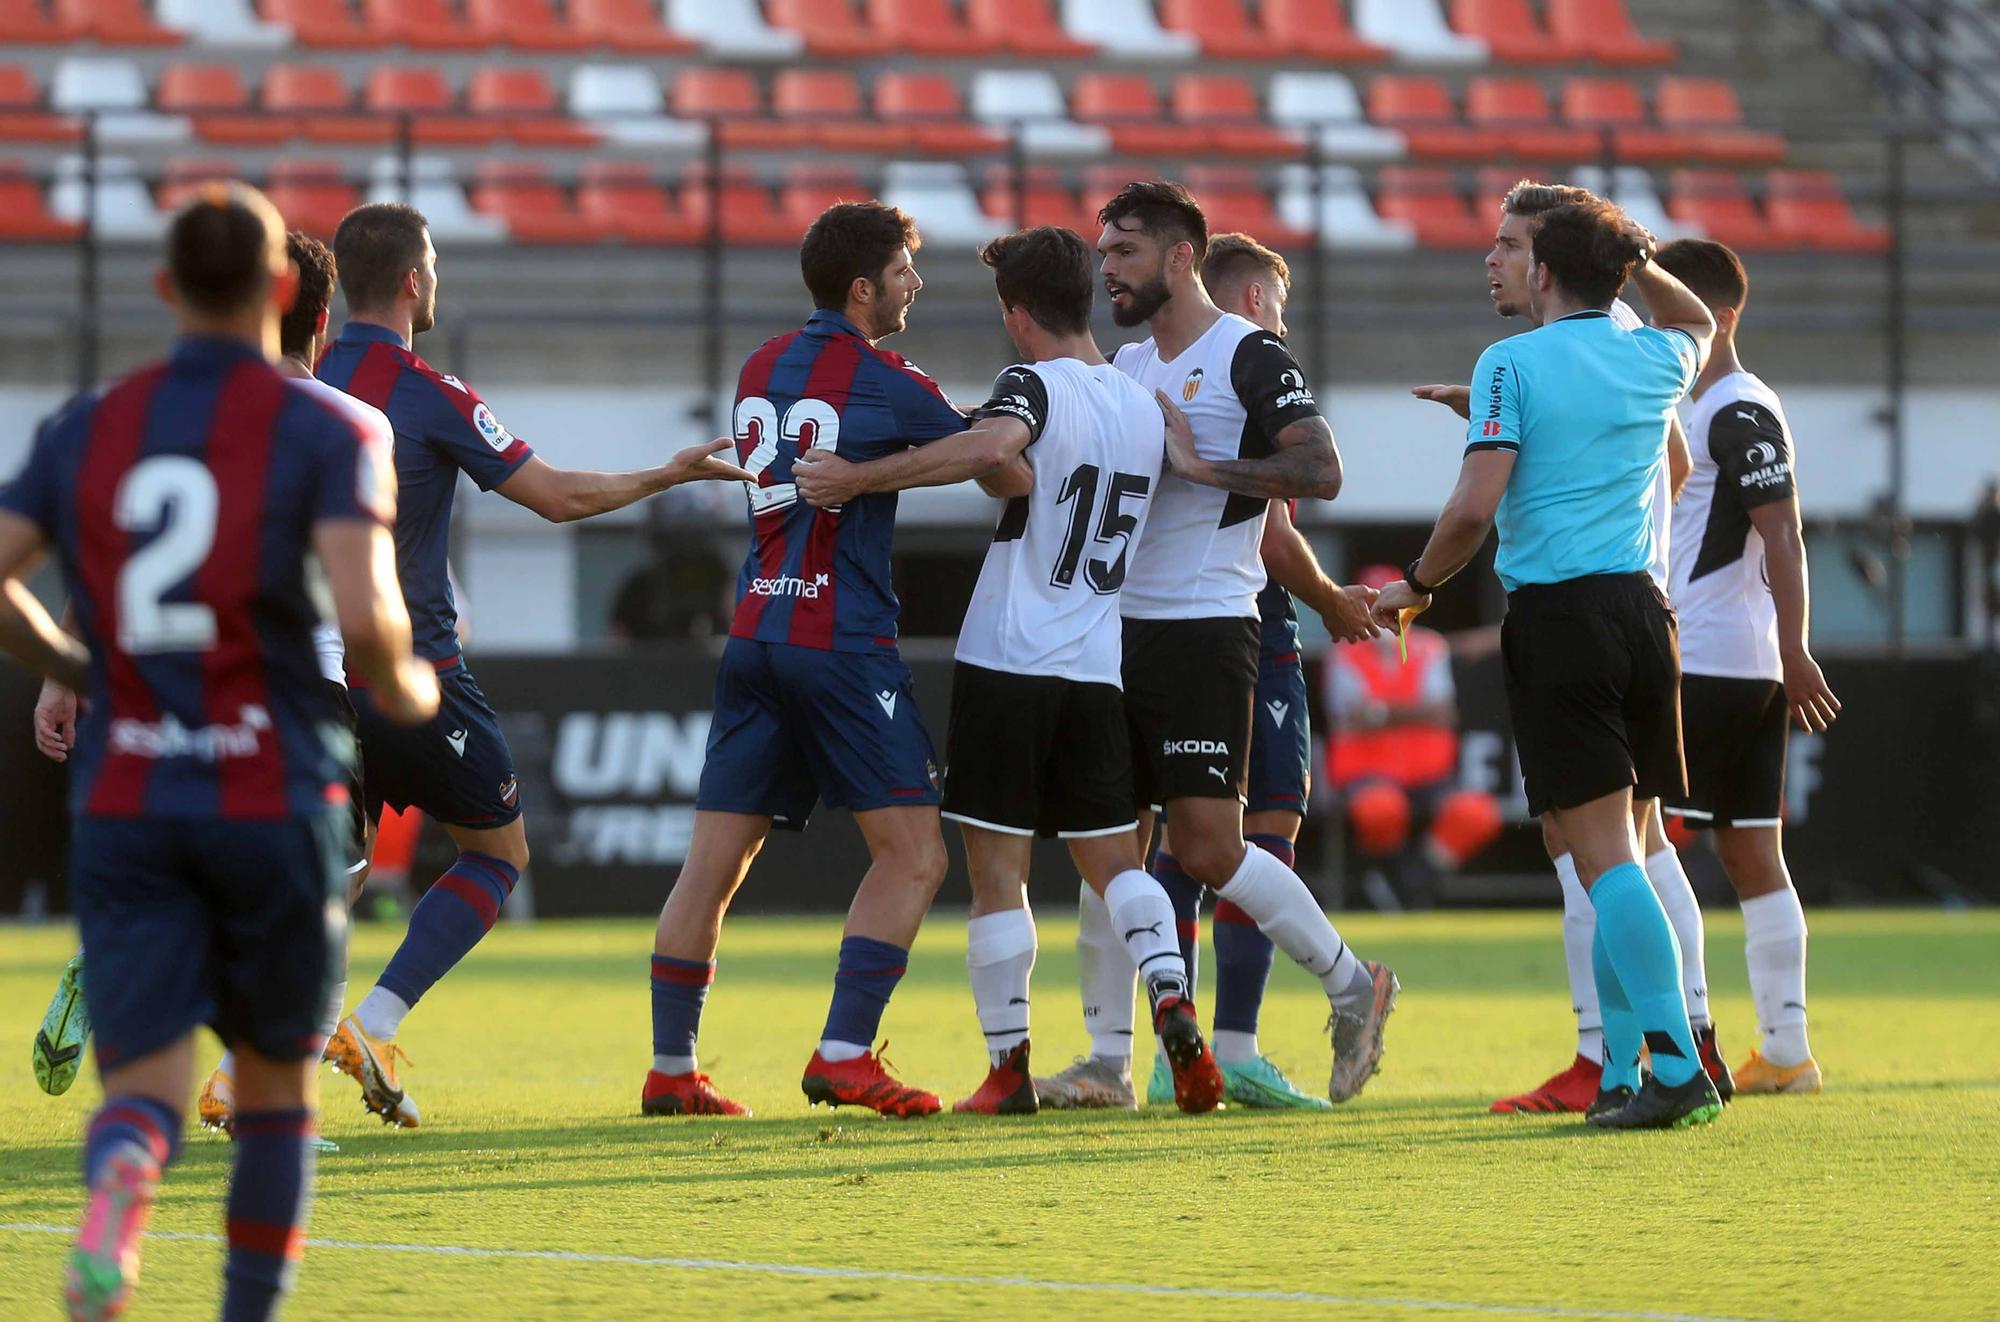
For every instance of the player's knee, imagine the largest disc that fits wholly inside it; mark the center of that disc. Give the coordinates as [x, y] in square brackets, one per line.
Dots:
[1552, 837]
[1380, 817]
[1209, 860]
[1465, 823]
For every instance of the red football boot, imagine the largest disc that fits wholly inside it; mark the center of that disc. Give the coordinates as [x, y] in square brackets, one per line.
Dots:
[685, 1094]
[1009, 1089]
[1198, 1083]
[1713, 1063]
[865, 1081]
[1572, 1090]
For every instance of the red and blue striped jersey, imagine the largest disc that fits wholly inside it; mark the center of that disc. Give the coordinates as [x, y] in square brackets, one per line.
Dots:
[820, 577]
[181, 502]
[442, 429]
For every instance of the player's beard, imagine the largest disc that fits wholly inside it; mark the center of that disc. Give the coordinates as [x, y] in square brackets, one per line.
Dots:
[1141, 302]
[425, 317]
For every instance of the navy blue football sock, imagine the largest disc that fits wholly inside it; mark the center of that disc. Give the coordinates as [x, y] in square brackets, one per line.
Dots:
[868, 973]
[1243, 954]
[1184, 892]
[680, 989]
[270, 1193]
[458, 909]
[1639, 943]
[131, 1120]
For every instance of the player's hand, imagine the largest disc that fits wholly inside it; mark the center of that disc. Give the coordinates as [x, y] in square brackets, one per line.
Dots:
[1806, 692]
[1633, 229]
[1395, 599]
[824, 479]
[55, 721]
[698, 463]
[1456, 398]
[1352, 617]
[413, 698]
[1181, 457]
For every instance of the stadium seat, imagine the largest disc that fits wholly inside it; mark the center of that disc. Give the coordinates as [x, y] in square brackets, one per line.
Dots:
[734, 29]
[1040, 198]
[1326, 103]
[1604, 30]
[1511, 31]
[114, 91]
[1430, 203]
[422, 93]
[629, 26]
[928, 27]
[533, 206]
[926, 106]
[1025, 27]
[22, 118]
[938, 194]
[520, 100]
[184, 174]
[1341, 212]
[115, 22]
[1706, 110]
[123, 209]
[1317, 29]
[1224, 106]
[1631, 187]
[221, 23]
[328, 23]
[1415, 31]
[24, 213]
[27, 23]
[1222, 28]
[1517, 111]
[1234, 198]
[424, 24]
[830, 28]
[623, 103]
[811, 189]
[312, 195]
[750, 217]
[218, 105]
[1421, 110]
[431, 186]
[1613, 105]
[529, 25]
[823, 106]
[1126, 28]
[1807, 208]
[625, 199]
[1715, 201]
[1029, 102]
[318, 96]
[729, 98]
[1128, 106]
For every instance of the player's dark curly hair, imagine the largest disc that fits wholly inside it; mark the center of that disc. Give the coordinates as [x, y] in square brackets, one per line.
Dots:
[374, 247]
[852, 241]
[1711, 270]
[1164, 211]
[1048, 270]
[220, 247]
[315, 263]
[1588, 249]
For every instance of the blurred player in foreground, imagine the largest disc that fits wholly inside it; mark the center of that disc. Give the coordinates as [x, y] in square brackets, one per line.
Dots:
[207, 854]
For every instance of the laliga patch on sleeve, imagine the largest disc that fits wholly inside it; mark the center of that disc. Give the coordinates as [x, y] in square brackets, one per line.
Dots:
[490, 428]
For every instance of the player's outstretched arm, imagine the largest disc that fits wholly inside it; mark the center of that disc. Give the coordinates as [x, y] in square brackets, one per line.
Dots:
[1456, 398]
[360, 563]
[1460, 531]
[563, 495]
[1306, 463]
[1289, 560]
[26, 630]
[994, 442]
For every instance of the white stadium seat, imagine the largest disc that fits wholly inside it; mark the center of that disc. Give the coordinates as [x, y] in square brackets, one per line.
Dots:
[1632, 189]
[1126, 28]
[940, 196]
[1328, 104]
[434, 190]
[624, 103]
[123, 210]
[115, 91]
[221, 23]
[1415, 30]
[733, 28]
[1031, 99]
[1346, 219]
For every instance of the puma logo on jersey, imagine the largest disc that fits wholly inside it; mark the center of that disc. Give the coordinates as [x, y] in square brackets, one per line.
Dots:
[1278, 710]
[1217, 772]
[887, 699]
[457, 741]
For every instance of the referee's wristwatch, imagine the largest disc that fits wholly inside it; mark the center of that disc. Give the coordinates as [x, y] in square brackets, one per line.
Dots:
[1417, 585]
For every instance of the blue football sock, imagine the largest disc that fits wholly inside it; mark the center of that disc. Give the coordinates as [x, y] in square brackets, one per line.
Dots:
[1639, 943]
[131, 1120]
[1622, 1038]
[1243, 954]
[458, 909]
[270, 1193]
[868, 973]
[1184, 893]
[680, 989]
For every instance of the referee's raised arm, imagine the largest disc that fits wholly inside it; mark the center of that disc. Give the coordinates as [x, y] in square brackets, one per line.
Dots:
[1673, 305]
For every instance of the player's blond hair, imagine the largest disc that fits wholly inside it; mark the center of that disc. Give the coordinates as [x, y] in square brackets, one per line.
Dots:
[1529, 198]
[1231, 257]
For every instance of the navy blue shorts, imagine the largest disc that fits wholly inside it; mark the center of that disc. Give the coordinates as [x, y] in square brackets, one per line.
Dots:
[189, 921]
[796, 725]
[455, 767]
[1280, 738]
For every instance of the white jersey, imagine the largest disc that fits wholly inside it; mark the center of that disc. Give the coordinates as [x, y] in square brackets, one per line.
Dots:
[1239, 387]
[1047, 598]
[1625, 318]
[1742, 459]
[332, 653]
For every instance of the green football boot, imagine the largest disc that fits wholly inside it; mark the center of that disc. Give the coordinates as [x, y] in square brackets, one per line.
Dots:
[65, 1027]
[1259, 1084]
[1160, 1088]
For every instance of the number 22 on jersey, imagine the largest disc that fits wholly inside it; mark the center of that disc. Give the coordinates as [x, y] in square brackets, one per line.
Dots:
[758, 425]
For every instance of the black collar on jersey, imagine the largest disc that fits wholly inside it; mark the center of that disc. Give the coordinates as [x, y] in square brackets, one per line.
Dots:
[364, 331]
[1584, 315]
[828, 322]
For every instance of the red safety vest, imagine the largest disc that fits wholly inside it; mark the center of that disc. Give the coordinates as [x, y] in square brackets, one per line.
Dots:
[1407, 755]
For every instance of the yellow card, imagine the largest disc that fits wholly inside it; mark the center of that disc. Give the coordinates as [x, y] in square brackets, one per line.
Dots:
[1403, 618]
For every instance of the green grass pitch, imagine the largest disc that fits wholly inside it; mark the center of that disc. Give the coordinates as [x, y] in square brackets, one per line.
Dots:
[1876, 1199]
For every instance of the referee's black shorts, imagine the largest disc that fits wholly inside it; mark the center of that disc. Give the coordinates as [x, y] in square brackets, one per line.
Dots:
[1593, 670]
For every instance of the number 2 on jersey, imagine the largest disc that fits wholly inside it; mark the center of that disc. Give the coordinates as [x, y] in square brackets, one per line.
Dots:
[177, 496]
[757, 419]
[1114, 524]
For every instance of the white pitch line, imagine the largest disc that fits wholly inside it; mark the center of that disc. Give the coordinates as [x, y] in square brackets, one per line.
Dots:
[940, 1278]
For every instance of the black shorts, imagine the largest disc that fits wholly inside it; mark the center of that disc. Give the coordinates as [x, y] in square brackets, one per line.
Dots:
[1736, 731]
[356, 845]
[1189, 685]
[1037, 755]
[456, 767]
[1593, 668]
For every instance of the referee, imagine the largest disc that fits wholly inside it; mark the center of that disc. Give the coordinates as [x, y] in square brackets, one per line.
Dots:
[1568, 435]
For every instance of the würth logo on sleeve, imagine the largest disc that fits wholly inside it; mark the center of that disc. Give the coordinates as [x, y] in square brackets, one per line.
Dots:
[1489, 428]
[1495, 390]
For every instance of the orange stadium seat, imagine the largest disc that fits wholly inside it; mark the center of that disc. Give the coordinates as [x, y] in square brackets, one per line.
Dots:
[1043, 199]
[831, 28]
[1234, 198]
[1715, 201]
[928, 108]
[1604, 30]
[730, 97]
[1511, 31]
[1807, 208]
[24, 211]
[1101, 183]
[1517, 111]
[525, 25]
[1707, 111]
[1613, 104]
[628, 25]
[1421, 110]
[1317, 29]
[928, 27]
[749, 215]
[218, 104]
[183, 174]
[1225, 107]
[23, 116]
[534, 206]
[1429, 202]
[520, 100]
[318, 96]
[624, 199]
[323, 23]
[116, 22]
[1025, 27]
[423, 94]
[811, 189]
[311, 195]
[427, 24]
[26, 23]
[1223, 29]
[823, 106]
[1128, 106]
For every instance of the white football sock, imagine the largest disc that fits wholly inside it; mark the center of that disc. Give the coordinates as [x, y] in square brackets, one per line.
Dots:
[1107, 978]
[1000, 959]
[1233, 1047]
[1774, 946]
[1284, 909]
[1143, 917]
[336, 999]
[833, 1052]
[1670, 883]
[674, 1064]
[381, 1013]
[1579, 930]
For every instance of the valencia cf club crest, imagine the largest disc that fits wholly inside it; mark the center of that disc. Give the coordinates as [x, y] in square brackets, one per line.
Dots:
[1190, 386]
[510, 791]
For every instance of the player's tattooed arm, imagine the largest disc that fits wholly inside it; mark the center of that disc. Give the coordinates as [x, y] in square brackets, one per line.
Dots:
[26, 630]
[1306, 462]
